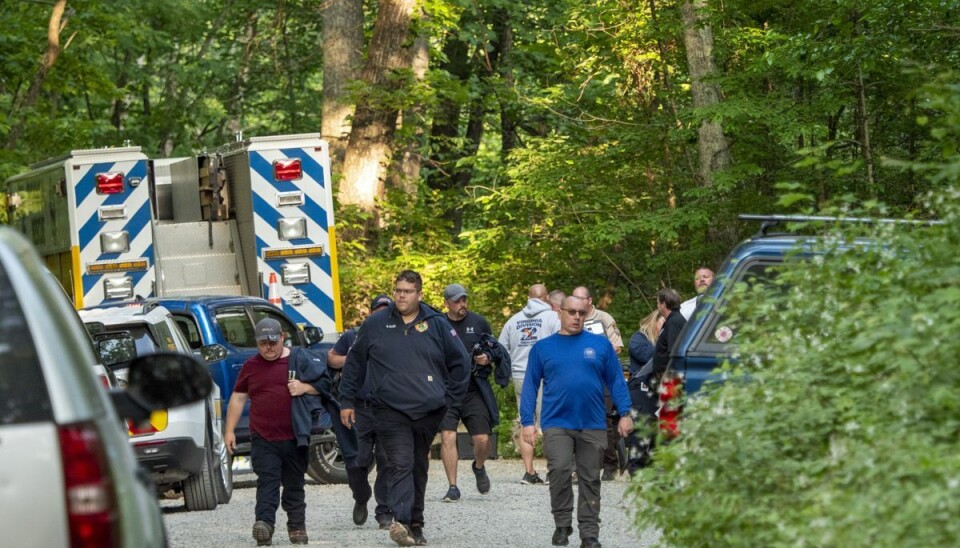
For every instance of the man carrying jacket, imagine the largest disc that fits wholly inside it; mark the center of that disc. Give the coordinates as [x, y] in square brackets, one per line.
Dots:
[417, 368]
[280, 425]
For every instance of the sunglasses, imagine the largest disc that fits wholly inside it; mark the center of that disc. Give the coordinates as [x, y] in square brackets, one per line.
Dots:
[573, 312]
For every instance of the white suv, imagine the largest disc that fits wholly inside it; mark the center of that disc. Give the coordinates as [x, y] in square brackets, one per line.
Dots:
[181, 447]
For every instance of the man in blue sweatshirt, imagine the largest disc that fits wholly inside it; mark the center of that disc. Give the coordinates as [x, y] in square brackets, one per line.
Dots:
[575, 367]
[417, 368]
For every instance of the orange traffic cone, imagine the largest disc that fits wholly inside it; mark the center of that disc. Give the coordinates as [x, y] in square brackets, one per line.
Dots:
[274, 290]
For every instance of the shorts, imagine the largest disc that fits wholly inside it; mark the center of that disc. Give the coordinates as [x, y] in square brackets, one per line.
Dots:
[472, 411]
[518, 389]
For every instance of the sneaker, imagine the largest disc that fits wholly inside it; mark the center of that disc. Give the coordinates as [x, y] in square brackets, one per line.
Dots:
[384, 522]
[262, 533]
[561, 537]
[590, 542]
[532, 479]
[483, 480]
[453, 494]
[418, 538]
[298, 536]
[359, 513]
[401, 534]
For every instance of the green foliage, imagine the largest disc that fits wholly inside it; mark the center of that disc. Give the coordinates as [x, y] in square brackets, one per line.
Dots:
[838, 424]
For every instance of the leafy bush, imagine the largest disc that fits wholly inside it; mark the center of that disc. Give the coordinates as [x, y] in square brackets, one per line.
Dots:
[840, 423]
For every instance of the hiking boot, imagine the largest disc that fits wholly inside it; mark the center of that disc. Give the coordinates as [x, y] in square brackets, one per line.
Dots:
[453, 494]
[401, 534]
[359, 513]
[298, 536]
[561, 537]
[418, 538]
[590, 542]
[262, 533]
[483, 480]
[532, 479]
[384, 521]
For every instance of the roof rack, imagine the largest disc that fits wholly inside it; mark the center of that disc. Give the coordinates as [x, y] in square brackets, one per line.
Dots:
[770, 221]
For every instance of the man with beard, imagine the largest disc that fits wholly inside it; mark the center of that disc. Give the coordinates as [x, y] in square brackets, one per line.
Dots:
[702, 279]
[474, 411]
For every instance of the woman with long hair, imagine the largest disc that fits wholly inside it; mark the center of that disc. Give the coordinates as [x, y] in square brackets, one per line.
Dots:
[643, 395]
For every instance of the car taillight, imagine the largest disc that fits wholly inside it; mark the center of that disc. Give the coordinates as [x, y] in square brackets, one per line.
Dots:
[157, 423]
[287, 169]
[104, 380]
[91, 505]
[671, 390]
[110, 183]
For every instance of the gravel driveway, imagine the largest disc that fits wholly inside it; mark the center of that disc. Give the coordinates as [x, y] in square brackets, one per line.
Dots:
[511, 514]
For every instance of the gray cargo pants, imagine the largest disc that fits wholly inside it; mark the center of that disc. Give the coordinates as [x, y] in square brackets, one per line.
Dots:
[582, 450]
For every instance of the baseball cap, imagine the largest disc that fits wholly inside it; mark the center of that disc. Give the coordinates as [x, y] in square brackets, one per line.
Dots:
[268, 329]
[453, 292]
[380, 300]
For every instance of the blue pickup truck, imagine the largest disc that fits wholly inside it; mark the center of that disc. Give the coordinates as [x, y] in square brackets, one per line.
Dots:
[221, 330]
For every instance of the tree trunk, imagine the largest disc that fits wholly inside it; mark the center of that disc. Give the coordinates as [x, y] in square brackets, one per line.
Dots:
[342, 49]
[445, 132]
[371, 138]
[509, 139]
[237, 104]
[412, 120]
[120, 103]
[712, 145]
[55, 26]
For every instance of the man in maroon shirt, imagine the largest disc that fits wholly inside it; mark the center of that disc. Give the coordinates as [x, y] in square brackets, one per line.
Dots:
[265, 382]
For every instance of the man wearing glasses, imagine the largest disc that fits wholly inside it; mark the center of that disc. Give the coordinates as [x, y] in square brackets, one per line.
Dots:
[575, 367]
[417, 368]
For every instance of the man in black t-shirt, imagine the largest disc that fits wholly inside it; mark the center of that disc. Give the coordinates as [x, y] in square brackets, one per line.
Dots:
[474, 409]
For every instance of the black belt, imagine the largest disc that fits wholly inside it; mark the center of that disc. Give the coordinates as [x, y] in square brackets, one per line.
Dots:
[362, 404]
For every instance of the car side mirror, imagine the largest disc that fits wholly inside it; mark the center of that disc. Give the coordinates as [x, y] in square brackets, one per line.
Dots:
[159, 381]
[312, 335]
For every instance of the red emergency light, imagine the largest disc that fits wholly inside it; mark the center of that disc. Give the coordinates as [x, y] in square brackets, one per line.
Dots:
[110, 183]
[287, 169]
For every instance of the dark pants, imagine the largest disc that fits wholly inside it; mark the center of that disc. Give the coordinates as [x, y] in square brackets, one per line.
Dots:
[276, 464]
[369, 450]
[582, 450]
[407, 442]
[611, 461]
[644, 403]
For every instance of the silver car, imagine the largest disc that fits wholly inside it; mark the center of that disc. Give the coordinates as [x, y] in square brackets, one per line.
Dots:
[67, 474]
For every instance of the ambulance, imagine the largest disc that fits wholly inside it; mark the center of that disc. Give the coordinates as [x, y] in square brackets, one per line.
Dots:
[254, 217]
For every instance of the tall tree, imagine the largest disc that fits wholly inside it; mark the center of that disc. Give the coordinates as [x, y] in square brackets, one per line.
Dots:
[375, 121]
[712, 145]
[342, 49]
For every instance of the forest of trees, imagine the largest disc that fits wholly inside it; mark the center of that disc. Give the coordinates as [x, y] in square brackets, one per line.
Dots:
[499, 143]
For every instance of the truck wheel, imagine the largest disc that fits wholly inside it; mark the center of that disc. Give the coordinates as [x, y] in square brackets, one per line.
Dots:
[200, 490]
[224, 472]
[326, 463]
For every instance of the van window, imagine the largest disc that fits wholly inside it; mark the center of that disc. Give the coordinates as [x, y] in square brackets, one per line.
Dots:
[291, 335]
[235, 326]
[23, 392]
[188, 328]
[720, 334]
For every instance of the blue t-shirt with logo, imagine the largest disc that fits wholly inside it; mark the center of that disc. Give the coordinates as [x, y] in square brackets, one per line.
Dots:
[574, 370]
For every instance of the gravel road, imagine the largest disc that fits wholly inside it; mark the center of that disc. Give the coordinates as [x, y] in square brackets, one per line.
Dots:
[511, 514]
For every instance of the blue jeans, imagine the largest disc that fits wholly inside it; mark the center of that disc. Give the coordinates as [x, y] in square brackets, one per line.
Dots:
[406, 443]
[276, 464]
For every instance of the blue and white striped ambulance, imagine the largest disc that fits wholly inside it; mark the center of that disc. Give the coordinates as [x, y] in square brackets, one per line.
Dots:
[114, 226]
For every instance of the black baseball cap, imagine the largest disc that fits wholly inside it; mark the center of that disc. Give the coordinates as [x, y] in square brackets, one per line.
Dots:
[380, 300]
[268, 329]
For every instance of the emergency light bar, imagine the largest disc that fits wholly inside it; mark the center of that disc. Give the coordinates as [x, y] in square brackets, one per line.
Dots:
[293, 252]
[105, 267]
[110, 183]
[287, 169]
